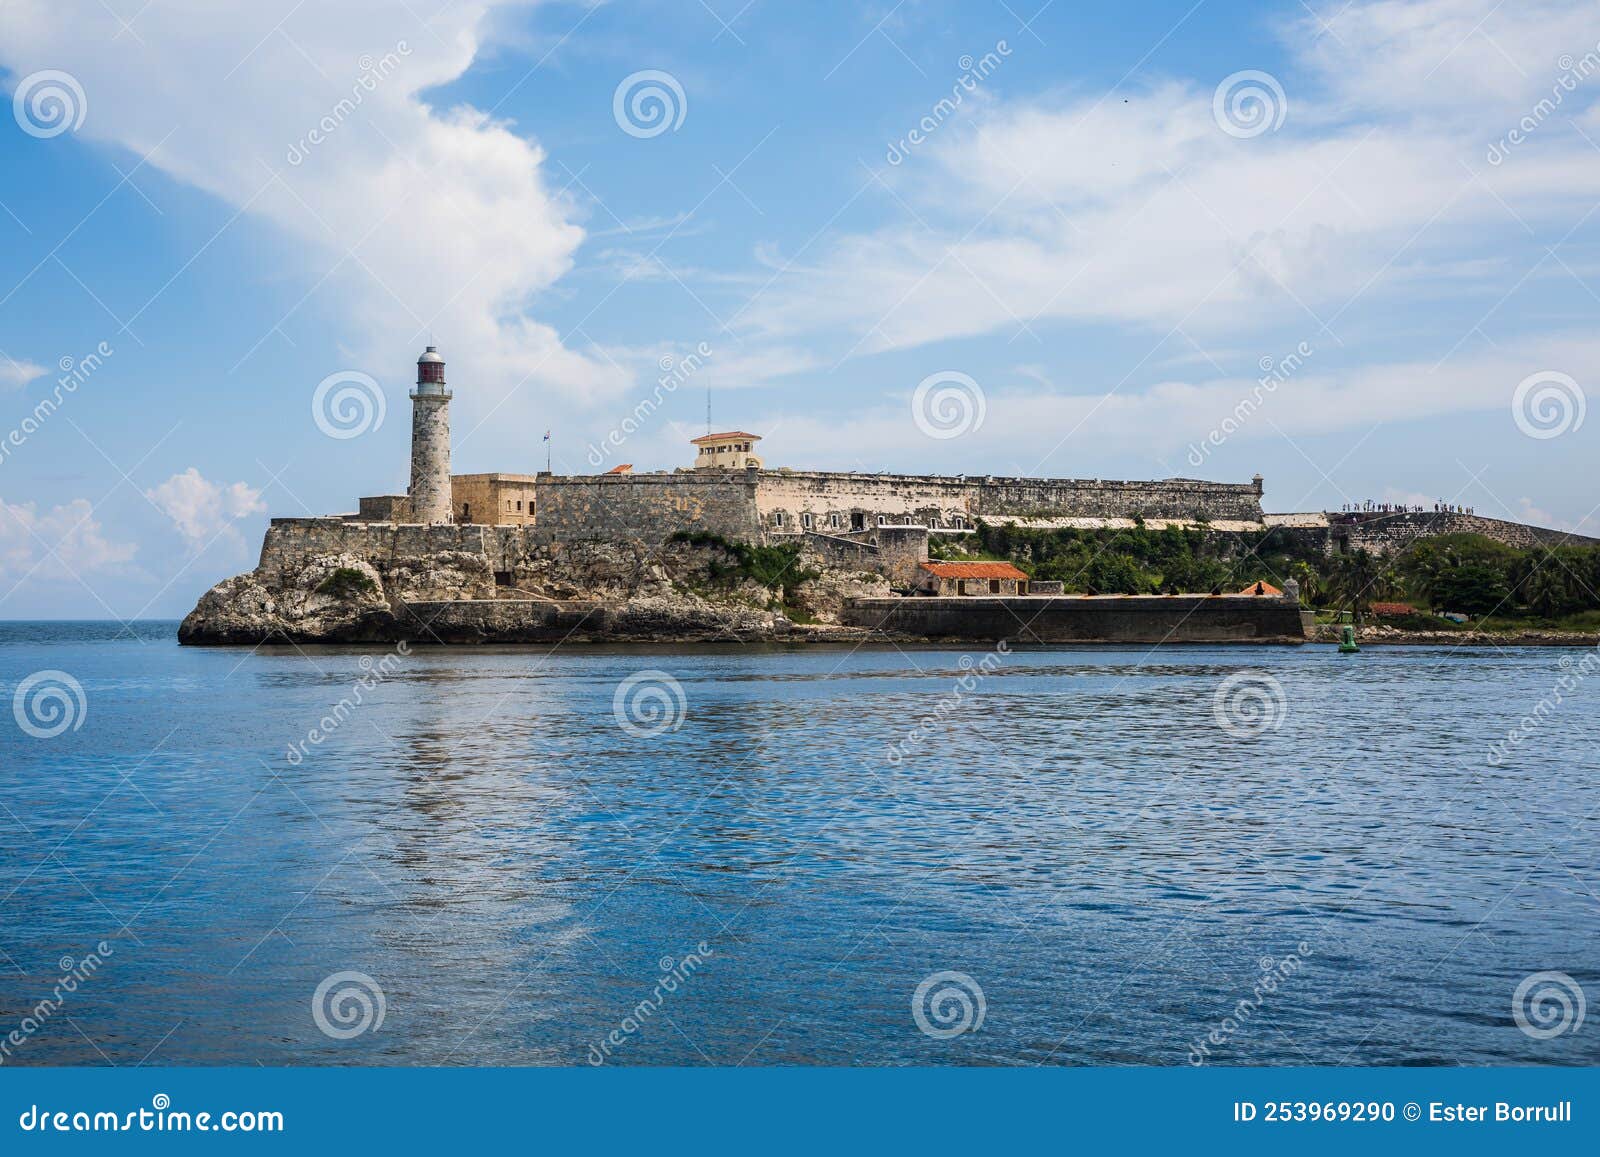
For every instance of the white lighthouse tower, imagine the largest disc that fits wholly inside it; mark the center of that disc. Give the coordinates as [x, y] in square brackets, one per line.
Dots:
[430, 441]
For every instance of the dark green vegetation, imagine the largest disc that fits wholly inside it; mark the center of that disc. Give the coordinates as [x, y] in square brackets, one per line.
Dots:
[346, 583]
[1464, 573]
[774, 567]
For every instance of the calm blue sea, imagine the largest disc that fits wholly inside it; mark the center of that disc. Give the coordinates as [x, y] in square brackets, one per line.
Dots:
[758, 856]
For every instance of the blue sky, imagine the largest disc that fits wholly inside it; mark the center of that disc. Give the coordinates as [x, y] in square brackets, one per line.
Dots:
[1101, 242]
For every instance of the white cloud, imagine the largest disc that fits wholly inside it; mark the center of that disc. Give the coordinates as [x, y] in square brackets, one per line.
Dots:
[14, 375]
[418, 217]
[1035, 427]
[204, 510]
[1142, 214]
[61, 542]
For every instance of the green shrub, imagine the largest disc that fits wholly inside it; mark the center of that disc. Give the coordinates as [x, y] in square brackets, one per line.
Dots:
[346, 582]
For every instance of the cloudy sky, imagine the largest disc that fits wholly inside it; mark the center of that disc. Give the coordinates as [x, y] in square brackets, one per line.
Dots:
[1096, 230]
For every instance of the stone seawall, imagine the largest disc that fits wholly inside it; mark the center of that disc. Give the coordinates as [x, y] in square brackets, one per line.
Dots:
[1101, 619]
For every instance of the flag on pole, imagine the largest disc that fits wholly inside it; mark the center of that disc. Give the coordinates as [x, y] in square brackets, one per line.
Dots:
[547, 435]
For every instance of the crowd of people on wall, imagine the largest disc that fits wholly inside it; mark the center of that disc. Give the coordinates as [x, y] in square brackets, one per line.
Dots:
[1371, 507]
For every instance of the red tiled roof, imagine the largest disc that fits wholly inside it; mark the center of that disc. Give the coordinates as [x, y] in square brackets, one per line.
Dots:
[625, 468]
[1393, 609]
[720, 437]
[1266, 589]
[974, 570]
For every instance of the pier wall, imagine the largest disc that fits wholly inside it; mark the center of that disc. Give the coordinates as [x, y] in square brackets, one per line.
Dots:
[1078, 619]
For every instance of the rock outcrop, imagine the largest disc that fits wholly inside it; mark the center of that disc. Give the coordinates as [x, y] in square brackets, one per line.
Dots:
[625, 591]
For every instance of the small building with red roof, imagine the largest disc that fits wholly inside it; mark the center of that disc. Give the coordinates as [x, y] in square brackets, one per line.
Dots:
[950, 579]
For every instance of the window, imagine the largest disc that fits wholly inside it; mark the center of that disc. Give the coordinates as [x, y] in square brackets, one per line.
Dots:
[882, 520]
[805, 521]
[519, 506]
[777, 518]
[994, 586]
[508, 504]
[466, 512]
[961, 523]
[833, 520]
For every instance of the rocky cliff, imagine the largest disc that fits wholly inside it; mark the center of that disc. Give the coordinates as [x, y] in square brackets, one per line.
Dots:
[546, 592]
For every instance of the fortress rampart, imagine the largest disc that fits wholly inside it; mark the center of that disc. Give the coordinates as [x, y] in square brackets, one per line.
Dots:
[762, 505]
[1384, 532]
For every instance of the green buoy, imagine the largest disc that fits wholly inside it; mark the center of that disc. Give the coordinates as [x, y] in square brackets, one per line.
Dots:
[1347, 635]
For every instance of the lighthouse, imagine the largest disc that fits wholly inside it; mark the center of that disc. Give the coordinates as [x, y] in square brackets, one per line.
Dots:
[430, 441]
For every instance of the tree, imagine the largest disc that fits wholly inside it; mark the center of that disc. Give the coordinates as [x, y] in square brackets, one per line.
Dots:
[1474, 588]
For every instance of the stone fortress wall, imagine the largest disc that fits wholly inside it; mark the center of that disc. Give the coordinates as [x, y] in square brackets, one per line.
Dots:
[834, 501]
[1384, 532]
[774, 505]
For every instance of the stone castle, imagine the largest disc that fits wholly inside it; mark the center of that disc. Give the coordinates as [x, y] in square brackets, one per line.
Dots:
[729, 491]
[647, 556]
